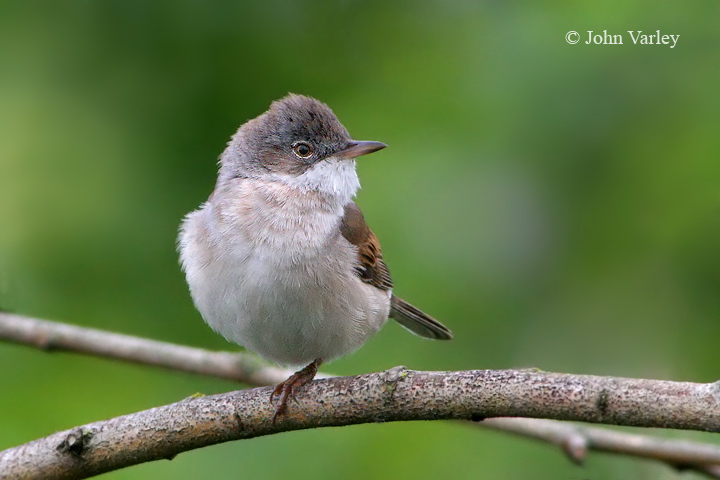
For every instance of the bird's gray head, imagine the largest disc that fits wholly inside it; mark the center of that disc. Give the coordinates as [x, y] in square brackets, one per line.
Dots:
[300, 141]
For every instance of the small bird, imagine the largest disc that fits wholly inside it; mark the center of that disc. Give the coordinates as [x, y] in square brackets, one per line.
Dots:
[279, 259]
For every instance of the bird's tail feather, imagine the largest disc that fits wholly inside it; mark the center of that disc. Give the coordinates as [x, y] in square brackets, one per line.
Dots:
[417, 321]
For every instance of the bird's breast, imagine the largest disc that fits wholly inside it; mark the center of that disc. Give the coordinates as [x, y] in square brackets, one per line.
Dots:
[275, 220]
[278, 277]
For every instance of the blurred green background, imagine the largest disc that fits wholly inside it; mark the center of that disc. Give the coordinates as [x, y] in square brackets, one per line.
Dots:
[556, 205]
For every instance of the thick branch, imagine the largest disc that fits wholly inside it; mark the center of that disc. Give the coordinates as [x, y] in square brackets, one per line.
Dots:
[397, 394]
[573, 439]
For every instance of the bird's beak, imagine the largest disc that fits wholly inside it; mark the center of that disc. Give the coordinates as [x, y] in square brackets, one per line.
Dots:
[357, 148]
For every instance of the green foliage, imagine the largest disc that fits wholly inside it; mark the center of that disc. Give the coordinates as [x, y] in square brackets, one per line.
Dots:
[556, 205]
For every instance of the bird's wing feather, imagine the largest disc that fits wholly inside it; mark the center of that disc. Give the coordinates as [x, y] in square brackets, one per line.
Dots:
[370, 267]
[372, 270]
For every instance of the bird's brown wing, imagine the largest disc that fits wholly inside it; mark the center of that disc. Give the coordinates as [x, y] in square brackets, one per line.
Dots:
[372, 270]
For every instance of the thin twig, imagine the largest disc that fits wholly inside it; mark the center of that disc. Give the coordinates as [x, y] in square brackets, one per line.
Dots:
[577, 440]
[47, 335]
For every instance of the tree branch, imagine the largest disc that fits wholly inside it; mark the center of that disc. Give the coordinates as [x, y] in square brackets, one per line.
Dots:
[48, 335]
[576, 440]
[394, 395]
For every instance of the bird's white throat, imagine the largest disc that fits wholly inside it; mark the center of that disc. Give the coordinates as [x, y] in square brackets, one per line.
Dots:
[335, 179]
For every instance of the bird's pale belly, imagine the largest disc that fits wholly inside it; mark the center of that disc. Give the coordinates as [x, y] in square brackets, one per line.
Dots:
[294, 314]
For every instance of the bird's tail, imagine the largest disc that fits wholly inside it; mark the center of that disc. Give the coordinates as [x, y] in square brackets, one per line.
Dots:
[417, 321]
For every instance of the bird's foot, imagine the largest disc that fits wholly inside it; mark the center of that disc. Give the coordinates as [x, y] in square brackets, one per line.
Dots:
[284, 391]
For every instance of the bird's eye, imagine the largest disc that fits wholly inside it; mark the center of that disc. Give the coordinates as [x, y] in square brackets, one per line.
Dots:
[302, 149]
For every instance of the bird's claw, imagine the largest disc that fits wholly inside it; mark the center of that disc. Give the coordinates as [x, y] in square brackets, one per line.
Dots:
[286, 390]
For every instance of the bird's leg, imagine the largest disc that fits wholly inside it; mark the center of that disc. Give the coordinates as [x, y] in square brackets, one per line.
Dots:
[286, 390]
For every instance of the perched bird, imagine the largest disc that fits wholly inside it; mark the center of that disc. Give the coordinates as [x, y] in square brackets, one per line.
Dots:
[279, 259]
